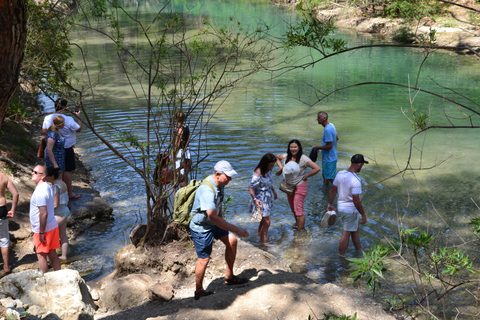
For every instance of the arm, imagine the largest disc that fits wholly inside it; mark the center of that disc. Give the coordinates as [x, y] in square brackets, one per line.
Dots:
[79, 120]
[50, 144]
[279, 164]
[328, 146]
[222, 224]
[258, 203]
[359, 207]
[314, 171]
[56, 197]
[43, 222]
[44, 131]
[331, 197]
[13, 190]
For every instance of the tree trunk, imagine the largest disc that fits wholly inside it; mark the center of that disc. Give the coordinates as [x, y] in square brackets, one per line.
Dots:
[13, 34]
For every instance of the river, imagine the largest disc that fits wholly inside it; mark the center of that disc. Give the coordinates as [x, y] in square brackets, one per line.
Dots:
[270, 112]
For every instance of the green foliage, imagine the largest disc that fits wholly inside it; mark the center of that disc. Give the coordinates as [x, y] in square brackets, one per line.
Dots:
[16, 111]
[46, 66]
[435, 268]
[312, 33]
[331, 316]
[475, 222]
[371, 267]
[225, 205]
[450, 261]
[394, 304]
[404, 35]
[412, 9]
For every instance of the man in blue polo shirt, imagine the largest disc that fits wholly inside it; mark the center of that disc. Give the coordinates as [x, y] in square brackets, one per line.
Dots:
[208, 224]
[328, 148]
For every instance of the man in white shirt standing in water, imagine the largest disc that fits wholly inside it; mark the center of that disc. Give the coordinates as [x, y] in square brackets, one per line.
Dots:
[349, 188]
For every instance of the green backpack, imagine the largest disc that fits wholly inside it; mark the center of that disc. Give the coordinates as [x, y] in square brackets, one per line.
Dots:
[184, 199]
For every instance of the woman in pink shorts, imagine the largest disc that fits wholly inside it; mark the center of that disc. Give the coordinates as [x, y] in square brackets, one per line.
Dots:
[294, 165]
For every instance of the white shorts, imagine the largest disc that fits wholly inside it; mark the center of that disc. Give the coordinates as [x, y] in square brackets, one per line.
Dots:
[350, 219]
[4, 236]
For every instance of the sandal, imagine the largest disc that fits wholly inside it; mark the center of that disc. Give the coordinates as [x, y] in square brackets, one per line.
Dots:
[202, 293]
[75, 196]
[235, 280]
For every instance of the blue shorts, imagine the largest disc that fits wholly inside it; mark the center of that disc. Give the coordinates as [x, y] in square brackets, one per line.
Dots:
[203, 241]
[70, 159]
[329, 169]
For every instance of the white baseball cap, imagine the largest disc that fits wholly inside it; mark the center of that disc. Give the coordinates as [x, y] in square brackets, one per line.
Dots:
[225, 167]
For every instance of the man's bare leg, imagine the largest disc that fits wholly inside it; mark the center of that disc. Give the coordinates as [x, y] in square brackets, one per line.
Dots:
[342, 247]
[200, 269]
[5, 256]
[230, 242]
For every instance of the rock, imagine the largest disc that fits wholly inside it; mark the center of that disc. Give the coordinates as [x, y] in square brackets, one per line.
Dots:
[90, 206]
[35, 310]
[12, 314]
[161, 292]
[63, 292]
[126, 292]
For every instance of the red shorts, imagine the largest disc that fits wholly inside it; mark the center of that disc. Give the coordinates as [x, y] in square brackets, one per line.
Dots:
[52, 241]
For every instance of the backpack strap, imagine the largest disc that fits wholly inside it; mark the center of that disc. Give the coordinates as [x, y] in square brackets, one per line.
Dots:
[208, 183]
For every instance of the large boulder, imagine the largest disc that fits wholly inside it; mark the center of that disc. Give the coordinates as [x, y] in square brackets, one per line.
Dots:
[63, 293]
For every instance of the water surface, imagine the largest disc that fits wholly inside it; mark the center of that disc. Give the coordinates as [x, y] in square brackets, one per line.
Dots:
[270, 112]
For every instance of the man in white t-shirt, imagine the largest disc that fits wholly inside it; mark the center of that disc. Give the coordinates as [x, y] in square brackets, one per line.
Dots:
[42, 219]
[69, 134]
[349, 187]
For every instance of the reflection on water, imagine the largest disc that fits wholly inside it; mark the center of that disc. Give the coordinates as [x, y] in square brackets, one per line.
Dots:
[269, 113]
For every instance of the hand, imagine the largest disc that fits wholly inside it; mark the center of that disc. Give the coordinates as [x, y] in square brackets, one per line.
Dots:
[42, 238]
[258, 203]
[10, 213]
[331, 208]
[242, 233]
[316, 149]
[56, 166]
[274, 195]
[305, 179]
[364, 220]
[77, 113]
[279, 172]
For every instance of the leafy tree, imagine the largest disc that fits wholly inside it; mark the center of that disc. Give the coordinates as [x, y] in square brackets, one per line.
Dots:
[171, 63]
[47, 52]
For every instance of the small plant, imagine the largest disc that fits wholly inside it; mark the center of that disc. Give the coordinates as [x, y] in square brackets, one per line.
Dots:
[331, 316]
[394, 304]
[370, 267]
[225, 205]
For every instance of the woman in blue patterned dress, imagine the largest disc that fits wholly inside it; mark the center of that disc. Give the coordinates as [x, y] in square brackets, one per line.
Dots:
[263, 193]
[55, 151]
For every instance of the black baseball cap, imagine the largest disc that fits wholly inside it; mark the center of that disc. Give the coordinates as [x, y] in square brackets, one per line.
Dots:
[358, 158]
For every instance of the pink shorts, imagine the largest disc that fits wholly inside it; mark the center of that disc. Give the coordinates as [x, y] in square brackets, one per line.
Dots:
[297, 200]
[52, 241]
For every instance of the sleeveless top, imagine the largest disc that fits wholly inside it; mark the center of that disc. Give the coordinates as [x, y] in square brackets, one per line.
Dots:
[62, 209]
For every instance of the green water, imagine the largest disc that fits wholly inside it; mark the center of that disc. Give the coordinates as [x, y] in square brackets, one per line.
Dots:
[269, 112]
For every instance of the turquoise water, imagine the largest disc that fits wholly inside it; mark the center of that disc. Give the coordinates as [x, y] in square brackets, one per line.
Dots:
[269, 112]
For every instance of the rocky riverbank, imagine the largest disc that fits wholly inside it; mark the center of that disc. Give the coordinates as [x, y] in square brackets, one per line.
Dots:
[455, 29]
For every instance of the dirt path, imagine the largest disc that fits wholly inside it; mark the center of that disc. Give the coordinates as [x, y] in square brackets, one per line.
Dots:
[274, 292]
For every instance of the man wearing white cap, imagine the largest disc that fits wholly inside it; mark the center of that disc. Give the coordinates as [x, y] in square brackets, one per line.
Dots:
[349, 187]
[208, 224]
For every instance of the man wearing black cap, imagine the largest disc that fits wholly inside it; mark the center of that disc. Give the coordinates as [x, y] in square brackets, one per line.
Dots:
[349, 188]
